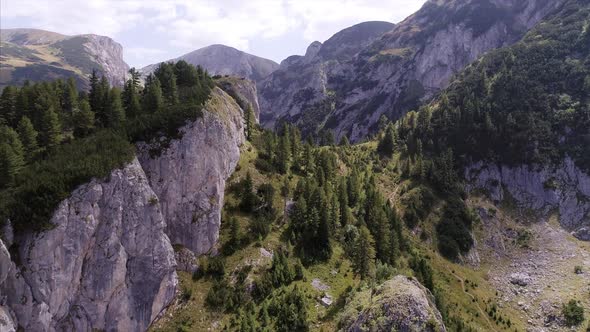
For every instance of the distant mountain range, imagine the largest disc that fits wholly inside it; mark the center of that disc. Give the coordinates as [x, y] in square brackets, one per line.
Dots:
[225, 60]
[37, 55]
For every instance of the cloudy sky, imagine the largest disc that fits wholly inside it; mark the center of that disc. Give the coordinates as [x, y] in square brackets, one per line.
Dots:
[157, 30]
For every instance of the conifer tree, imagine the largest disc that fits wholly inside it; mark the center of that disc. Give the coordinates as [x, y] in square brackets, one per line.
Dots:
[8, 106]
[116, 113]
[364, 254]
[249, 119]
[11, 155]
[153, 101]
[83, 119]
[28, 136]
[282, 160]
[131, 94]
[51, 129]
[167, 78]
[387, 144]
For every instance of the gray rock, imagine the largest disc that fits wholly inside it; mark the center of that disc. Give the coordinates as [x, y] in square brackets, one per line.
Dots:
[107, 263]
[189, 176]
[109, 55]
[185, 260]
[520, 279]
[243, 90]
[564, 187]
[400, 304]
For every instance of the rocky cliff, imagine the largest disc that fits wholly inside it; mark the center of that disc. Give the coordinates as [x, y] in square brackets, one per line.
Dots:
[399, 69]
[225, 60]
[399, 304]
[109, 55]
[108, 262]
[189, 176]
[38, 55]
[543, 189]
[243, 91]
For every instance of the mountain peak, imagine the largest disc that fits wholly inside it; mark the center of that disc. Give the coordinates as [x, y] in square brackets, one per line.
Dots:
[221, 59]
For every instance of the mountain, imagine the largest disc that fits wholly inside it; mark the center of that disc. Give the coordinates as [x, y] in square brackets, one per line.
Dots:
[398, 70]
[301, 79]
[37, 55]
[225, 60]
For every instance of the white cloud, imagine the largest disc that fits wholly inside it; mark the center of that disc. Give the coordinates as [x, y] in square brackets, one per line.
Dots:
[190, 24]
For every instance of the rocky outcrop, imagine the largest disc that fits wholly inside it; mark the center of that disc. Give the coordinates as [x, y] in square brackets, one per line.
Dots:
[225, 60]
[243, 91]
[106, 265]
[189, 176]
[398, 70]
[563, 188]
[109, 55]
[399, 304]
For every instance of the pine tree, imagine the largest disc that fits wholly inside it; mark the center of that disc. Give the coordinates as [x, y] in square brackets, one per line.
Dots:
[282, 160]
[167, 78]
[248, 196]
[116, 113]
[153, 101]
[131, 94]
[28, 136]
[8, 106]
[364, 254]
[11, 155]
[249, 119]
[70, 96]
[387, 144]
[95, 95]
[51, 129]
[83, 120]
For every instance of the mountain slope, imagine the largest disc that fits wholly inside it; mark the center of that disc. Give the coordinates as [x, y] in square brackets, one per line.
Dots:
[37, 55]
[302, 80]
[401, 69]
[225, 60]
[518, 120]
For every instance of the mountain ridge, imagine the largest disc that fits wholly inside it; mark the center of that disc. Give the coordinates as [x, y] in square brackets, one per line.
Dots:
[35, 54]
[220, 59]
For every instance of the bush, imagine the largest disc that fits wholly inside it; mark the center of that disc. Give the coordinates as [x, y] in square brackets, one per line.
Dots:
[573, 313]
[216, 267]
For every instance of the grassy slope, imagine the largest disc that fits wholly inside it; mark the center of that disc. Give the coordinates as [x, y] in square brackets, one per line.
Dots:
[468, 291]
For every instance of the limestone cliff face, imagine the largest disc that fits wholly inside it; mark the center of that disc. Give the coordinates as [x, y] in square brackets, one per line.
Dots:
[106, 265]
[563, 188]
[189, 177]
[109, 55]
[398, 70]
[243, 91]
[399, 304]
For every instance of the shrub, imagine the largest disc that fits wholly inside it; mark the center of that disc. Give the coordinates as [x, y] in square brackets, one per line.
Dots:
[573, 313]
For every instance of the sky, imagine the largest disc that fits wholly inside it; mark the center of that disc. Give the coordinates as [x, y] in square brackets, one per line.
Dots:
[156, 30]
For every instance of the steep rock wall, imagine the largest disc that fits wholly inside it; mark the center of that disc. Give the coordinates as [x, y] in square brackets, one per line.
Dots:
[107, 264]
[564, 188]
[189, 176]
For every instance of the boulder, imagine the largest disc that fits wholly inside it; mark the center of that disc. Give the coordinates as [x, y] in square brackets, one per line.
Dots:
[399, 304]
